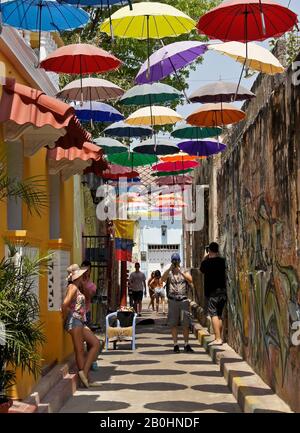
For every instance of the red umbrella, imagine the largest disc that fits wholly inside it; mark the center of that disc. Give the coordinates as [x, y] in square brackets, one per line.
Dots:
[247, 20]
[80, 59]
[174, 166]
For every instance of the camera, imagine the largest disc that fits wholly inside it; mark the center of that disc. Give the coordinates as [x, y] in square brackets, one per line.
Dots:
[207, 249]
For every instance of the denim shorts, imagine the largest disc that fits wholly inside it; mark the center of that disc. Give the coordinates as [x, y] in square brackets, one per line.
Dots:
[71, 323]
[178, 313]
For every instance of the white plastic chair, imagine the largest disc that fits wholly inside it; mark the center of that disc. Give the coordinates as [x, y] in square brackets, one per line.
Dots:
[114, 314]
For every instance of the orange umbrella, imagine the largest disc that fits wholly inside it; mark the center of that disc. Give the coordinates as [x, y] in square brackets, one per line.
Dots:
[215, 115]
[181, 156]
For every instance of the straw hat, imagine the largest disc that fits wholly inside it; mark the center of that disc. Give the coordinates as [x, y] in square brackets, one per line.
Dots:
[74, 272]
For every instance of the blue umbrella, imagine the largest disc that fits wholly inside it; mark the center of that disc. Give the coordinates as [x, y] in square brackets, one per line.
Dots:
[98, 112]
[124, 130]
[43, 15]
[100, 3]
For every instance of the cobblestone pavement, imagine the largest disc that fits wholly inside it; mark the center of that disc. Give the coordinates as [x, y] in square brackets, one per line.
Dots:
[154, 378]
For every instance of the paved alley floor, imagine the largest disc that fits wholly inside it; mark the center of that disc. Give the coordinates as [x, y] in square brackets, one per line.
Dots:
[154, 378]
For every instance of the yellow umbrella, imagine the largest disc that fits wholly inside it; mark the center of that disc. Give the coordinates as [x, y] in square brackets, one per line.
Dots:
[148, 20]
[215, 115]
[154, 115]
[258, 58]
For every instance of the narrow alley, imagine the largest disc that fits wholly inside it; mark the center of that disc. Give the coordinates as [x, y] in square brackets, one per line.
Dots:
[154, 379]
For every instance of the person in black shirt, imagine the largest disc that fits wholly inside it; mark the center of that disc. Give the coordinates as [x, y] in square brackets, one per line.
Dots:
[214, 269]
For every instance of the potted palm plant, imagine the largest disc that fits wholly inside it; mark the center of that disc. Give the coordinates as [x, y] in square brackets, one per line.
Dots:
[21, 334]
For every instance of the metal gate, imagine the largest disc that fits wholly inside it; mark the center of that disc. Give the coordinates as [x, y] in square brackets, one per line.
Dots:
[97, 250]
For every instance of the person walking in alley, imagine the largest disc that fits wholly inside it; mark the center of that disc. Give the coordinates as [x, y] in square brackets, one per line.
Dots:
[159, 291]
[151, 292]
[177, 283]
[74, 314]
[214, 269]
[137, 283]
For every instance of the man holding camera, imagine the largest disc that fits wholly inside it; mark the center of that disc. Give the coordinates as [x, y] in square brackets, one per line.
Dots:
[214, 269]
[177, 283]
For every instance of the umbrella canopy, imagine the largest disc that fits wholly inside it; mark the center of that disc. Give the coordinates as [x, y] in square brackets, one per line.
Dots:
[202, 148]
[174, 180]
[171, 173]
[110, 145]
[148, 20]
[93, 89]
[247, 20]
[188, 131]
[147, 94]
[258, 58]
[115, 171]
[155, 115]
[132, 159]
[220, 91]
[169, 59]
[42, 15]
[98, 112]
[175, 166]
[99, 3]
[80, 59]
[162, 146]
[215, 115]
[179, 157]
[123, 130]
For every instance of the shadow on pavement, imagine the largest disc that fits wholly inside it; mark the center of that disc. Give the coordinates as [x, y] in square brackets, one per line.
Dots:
[159, 372]
[218, 389]
[135, 362]
[191, 406]
[82, 402]
[147, 386]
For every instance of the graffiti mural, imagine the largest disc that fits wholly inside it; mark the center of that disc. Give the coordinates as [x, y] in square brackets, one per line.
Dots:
[258, 212]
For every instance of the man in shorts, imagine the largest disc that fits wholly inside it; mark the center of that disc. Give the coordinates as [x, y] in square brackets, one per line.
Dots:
[213, 267]
[177, 283]
[137, 284]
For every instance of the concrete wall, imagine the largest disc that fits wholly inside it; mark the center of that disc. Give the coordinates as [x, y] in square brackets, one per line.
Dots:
[258, 215]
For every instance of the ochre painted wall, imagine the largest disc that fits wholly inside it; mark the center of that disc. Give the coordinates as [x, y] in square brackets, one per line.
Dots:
[58, 345]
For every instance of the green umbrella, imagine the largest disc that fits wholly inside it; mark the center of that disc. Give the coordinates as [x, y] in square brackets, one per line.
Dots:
[171, 173]
[149, 94]
[132, 159]
[110, 145]
[195, 132]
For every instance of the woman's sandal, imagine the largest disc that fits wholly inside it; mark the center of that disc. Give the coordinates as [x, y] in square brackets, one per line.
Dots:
[83, 378]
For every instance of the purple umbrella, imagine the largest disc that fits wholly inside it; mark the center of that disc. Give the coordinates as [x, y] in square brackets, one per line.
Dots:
[169, 59]
[201, 147]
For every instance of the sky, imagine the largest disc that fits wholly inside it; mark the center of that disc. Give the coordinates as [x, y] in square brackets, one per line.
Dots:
[216, 66]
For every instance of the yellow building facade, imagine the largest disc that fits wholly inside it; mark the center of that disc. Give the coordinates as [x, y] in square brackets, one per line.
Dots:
[54, 229]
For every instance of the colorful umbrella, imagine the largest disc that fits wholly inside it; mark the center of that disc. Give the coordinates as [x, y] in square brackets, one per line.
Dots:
[93, 89]
[188, 131]
[148, 94]
[42, 15]
[97, 3]
[175, 166]
[132, 159]
[123, 130]
[115, 171]
[174, 180]
[97, 112]
[110, 145]
[169, 59]
[201, 148]
[246, 21]
[258, 58]
[80, 59]
[162, 146]
[215, 115]
[220, 91]
[171, 173]
[155, 115]
[179, 157]
[148, 20]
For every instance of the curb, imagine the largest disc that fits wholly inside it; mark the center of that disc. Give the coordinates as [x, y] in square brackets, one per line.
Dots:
[250, 391]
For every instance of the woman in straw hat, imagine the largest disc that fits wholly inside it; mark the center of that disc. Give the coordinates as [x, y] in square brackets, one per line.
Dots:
[74, 310]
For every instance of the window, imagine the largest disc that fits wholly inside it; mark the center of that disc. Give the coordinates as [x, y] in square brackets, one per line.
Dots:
[14, 171]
